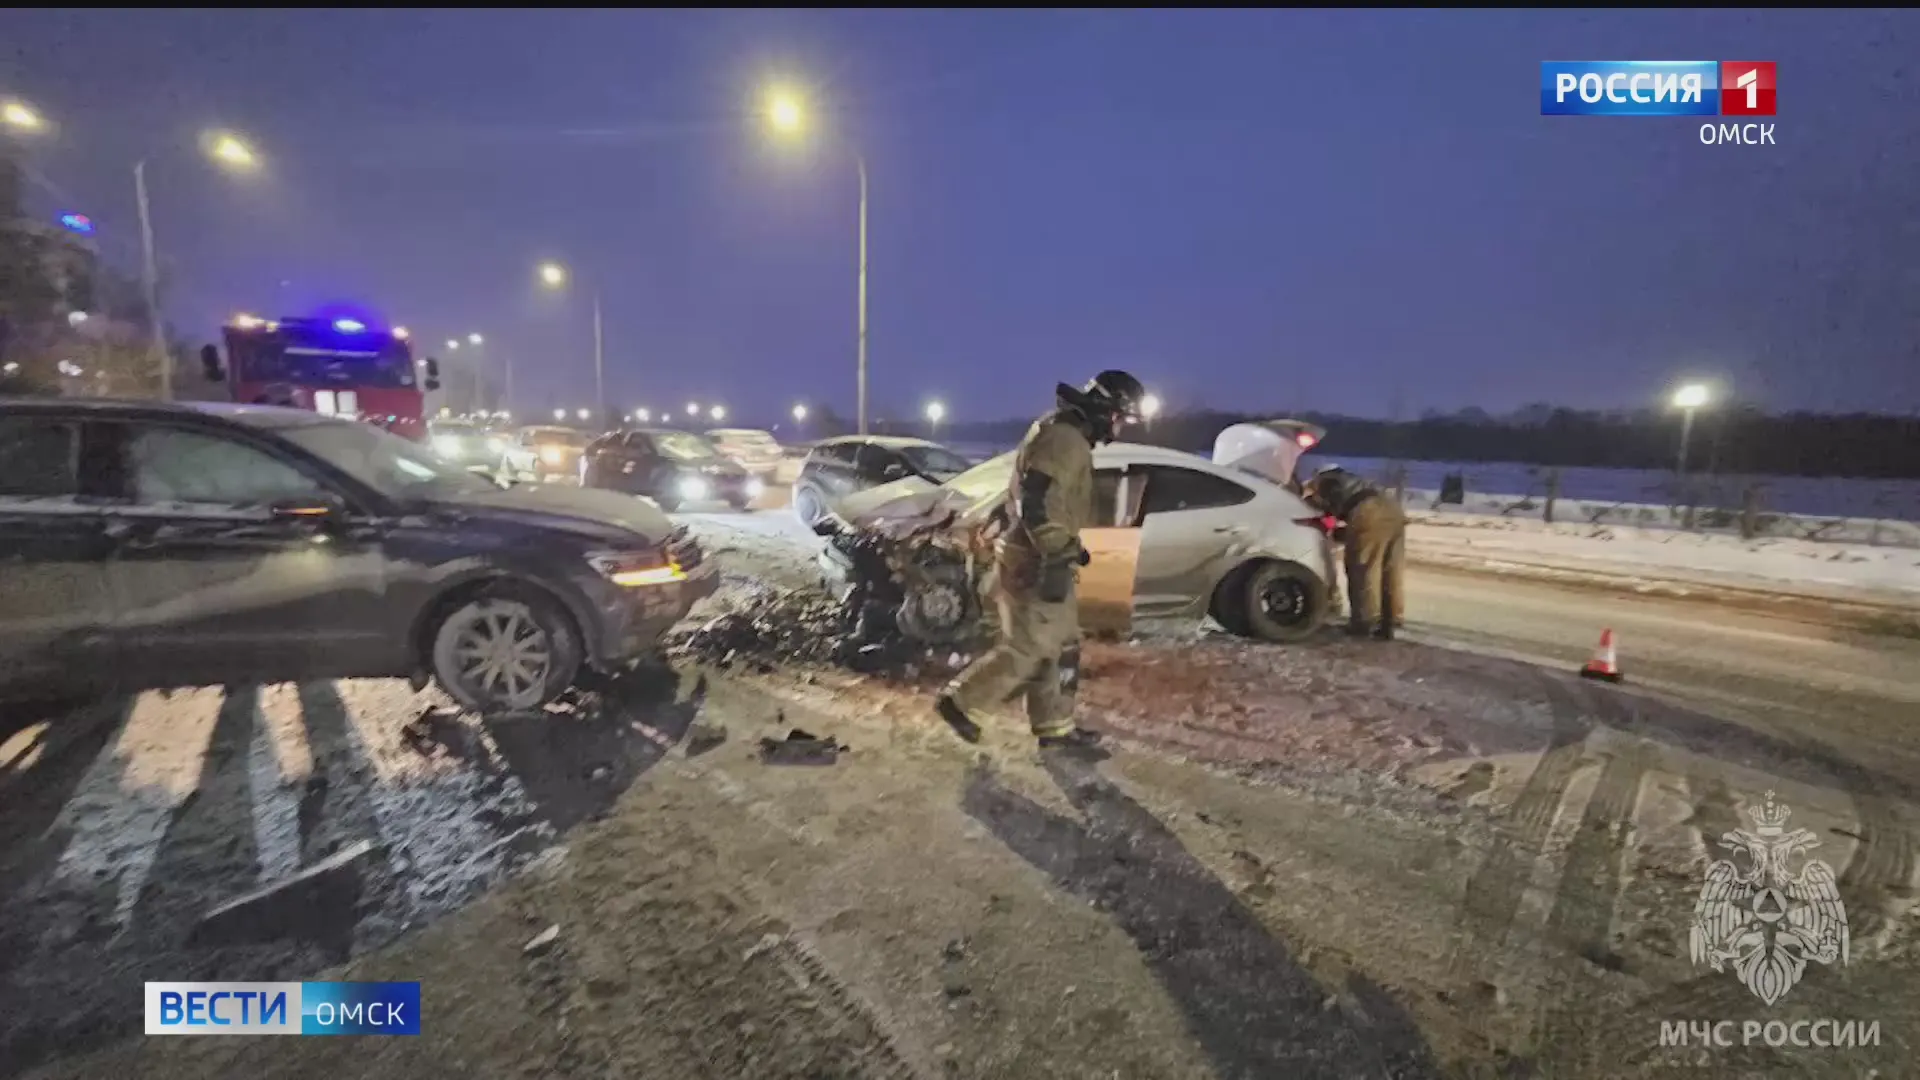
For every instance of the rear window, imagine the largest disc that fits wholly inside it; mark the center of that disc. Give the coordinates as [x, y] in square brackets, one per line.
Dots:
[39, 457]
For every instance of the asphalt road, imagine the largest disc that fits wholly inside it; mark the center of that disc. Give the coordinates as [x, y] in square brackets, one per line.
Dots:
[1856, 692]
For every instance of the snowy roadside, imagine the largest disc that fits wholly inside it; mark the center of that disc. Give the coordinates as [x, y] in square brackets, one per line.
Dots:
[1672, 563]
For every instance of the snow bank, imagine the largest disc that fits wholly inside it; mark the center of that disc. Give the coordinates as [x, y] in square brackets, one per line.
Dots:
[1819, 569]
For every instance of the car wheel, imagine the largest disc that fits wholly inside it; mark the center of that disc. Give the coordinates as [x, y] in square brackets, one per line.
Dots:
[807, 504]
[1281, 602]
[739, 505]
[506, 650]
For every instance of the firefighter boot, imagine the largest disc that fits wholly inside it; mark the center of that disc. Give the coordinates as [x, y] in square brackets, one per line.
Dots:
[956, 718]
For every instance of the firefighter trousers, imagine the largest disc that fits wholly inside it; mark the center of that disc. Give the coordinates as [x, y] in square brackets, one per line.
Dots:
[1035, 656]
[1376, 553]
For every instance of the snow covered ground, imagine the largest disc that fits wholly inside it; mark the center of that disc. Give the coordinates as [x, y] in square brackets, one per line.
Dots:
[1851, 572]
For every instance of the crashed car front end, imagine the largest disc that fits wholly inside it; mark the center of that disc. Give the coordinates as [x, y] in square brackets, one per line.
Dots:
[921, 579]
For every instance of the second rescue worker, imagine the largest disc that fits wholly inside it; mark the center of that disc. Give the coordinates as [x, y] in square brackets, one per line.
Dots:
[1036, 564]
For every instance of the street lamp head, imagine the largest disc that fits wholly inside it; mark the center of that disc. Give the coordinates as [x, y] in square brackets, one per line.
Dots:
[719, 412]
[21, 117]
[583, 414]
[553, 275]
[1692, 396]
[453, 345]
[559, 414]
[936, 411]
[228, 149]
[1149, 407]
[642, 416]
[693, 408]
[784, 112]
[474, 339]
[799, 413]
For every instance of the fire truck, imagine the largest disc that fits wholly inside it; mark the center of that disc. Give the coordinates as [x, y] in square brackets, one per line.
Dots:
[336, 366]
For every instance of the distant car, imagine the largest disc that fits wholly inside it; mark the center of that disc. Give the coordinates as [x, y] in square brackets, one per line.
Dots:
[839, 467]
[758, 452]
[466, 444]
[150, 546]
[1225, 537]
[544, 454]
[673, 468]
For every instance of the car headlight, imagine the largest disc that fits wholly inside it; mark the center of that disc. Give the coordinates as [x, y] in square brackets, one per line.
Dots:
[552, 455]
[755, 488]
[634, 569]
[692, 488]
[447, 446]
[496, 446]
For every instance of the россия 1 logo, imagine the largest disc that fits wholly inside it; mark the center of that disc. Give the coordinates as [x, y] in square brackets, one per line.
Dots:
[1665, 88]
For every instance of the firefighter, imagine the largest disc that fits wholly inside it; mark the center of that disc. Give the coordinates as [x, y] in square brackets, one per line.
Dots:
[1036, 558]
[1374, 530]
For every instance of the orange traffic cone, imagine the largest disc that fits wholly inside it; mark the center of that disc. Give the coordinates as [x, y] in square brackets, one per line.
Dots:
[1604, 666]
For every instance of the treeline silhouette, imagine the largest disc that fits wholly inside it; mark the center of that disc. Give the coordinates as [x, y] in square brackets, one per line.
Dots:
[1732, 440]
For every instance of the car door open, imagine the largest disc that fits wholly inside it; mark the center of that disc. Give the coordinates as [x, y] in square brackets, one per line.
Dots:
[1107, 581]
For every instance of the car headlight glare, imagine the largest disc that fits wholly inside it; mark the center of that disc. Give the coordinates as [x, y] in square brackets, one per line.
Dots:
[496, 446]
[692, 488]
[447, 446]
[756, 488]
[552, 455]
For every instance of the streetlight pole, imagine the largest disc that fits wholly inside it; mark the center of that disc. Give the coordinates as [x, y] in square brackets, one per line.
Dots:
[1686, 433]
[150, 282]
[599, 360]
[860, 161]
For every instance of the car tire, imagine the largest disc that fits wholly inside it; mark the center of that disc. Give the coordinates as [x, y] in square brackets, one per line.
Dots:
[808, 504]
[531, 624]
[739, 505]
[1281, 602]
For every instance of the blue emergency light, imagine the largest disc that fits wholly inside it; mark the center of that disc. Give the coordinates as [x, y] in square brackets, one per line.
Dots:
[77, 223]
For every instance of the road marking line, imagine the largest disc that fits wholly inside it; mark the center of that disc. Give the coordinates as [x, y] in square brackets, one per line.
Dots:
[120, 813]
[278, 761]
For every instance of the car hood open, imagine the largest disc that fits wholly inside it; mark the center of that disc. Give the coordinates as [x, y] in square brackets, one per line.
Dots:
[581, 509]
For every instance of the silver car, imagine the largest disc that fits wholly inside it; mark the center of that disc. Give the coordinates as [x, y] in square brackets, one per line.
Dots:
[756, 451]
[1228, 537]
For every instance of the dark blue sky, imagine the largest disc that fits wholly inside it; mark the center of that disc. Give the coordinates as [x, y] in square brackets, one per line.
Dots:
[1282, 210]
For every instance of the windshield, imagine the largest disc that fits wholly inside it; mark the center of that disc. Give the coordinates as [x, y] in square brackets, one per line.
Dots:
[313, 365]
[391, 465]
[680, 444]
[936, 460]
[551, 436]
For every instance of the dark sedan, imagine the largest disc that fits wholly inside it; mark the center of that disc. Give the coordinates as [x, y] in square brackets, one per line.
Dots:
[673, 468]
[146, 546]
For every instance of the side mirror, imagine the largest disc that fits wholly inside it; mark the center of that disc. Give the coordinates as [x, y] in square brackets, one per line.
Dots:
[210, 363]
[433, 374]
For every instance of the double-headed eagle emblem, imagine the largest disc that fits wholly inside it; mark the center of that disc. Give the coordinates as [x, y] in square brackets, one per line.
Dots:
[1766, 920]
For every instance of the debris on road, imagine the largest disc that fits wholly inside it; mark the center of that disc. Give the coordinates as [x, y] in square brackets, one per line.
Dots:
[542, 941]
[801, 748]
[309, 905]
[766, 943]
[704, 736]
